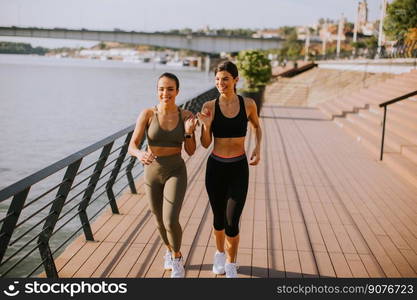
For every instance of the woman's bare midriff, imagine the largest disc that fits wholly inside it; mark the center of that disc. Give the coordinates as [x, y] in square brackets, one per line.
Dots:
[229, 147]
[164, 151]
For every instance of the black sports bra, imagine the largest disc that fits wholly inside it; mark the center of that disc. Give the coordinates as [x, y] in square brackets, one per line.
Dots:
[224, 127]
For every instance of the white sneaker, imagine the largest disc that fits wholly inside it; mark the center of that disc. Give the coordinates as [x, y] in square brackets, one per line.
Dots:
[168, 260]
[231, 270]
[177, 268]
[219, 262]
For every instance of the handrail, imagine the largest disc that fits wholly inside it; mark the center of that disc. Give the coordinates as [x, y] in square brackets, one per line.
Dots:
[53, 213]
[384, 105]
[59, 165]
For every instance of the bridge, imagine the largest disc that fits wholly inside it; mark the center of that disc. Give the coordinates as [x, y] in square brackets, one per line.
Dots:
[209, 44]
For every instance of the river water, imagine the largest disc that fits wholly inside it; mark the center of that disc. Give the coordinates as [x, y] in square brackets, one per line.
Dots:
[51, 108]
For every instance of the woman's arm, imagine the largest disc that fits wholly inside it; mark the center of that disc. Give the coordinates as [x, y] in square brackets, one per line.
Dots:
[206, 118]
[254, 121]
[137, 136]
[190, 123]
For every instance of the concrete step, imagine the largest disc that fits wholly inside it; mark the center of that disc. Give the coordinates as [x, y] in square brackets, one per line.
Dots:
[395, 126]
[406, 118]
[410, 153]
[405, 106]
[357, 102]
[382, 94]
[399, 87]
[326, 109]
[392, 139]
[369, 141]
[391, 123]
[404, 83]
[402, 166]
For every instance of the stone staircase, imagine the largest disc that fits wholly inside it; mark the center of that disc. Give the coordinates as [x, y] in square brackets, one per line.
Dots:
[360, 115]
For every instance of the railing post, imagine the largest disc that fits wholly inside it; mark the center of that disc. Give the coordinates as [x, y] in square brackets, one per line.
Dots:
[115, 172]
[50, 222]
[383, 133]
[90, 190]
[10, 222]
[129, 175]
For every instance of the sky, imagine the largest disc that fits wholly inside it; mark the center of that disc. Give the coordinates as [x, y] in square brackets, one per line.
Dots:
[159, 15]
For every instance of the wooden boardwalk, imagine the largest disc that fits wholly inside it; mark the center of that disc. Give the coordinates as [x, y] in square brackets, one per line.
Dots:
[319, 205]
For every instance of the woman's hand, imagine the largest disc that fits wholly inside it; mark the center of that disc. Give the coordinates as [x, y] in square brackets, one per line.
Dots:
[205, 117]
[190, 124]
[255, 157]
[146, 157]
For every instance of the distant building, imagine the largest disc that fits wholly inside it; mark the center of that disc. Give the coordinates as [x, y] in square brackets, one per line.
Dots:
[362, 13]
[364, 26]
[328, 32]
[302, 33]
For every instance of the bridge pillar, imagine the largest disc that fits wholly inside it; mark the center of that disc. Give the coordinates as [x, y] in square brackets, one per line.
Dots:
[200, 63]
[207, 64]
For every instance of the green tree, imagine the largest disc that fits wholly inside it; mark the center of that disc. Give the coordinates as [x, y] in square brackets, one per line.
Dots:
[21, 48]
[255, 68]
[401, 16]
[292, 47]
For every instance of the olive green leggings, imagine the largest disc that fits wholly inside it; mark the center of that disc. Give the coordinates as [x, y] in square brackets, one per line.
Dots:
[165, 186]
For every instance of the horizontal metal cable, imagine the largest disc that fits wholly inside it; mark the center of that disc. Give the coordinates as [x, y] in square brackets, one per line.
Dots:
[44, 194]
[19, 261]
[30, 229]
[35, 213]
[22, 247]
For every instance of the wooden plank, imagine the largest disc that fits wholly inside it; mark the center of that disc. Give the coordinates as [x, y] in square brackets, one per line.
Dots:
[206, 267]
[324, 264]
[308, 265]
[292, 264]
[259, 235]
[288, 237]
[301, 237]
[82, 256]
[340, 265]
[259, 263]
[244, 260]
[89, 266]
[372, 266]
[140, 268]
[411, 258]
[356, 265]
[399, 261]
[276, 263]
[194, 262]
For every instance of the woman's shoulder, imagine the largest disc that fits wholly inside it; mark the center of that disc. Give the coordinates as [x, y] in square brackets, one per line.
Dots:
[185, 114]
[209, 104]
[248, 101]
[146, 114]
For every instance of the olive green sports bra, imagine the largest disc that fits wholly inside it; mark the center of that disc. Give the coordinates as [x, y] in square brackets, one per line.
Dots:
[165, 138]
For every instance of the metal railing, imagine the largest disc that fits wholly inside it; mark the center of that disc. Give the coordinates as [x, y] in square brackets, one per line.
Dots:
[49, 208]
[384, 105]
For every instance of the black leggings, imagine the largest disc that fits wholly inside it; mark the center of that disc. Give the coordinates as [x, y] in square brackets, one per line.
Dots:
[227, 187]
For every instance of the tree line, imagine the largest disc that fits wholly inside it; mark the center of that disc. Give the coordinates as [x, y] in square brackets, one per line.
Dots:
[21, 48]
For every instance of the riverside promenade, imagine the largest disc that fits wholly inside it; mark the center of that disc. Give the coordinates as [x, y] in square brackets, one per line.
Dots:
[319, 205]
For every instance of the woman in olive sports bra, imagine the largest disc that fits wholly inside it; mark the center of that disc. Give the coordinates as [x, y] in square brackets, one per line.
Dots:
[166, 127]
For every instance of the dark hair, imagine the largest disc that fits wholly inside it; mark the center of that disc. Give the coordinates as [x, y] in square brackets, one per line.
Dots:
[227, 66]
[171, 76]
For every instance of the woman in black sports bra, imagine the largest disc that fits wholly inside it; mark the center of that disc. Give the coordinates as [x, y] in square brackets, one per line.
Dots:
[224, 120]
